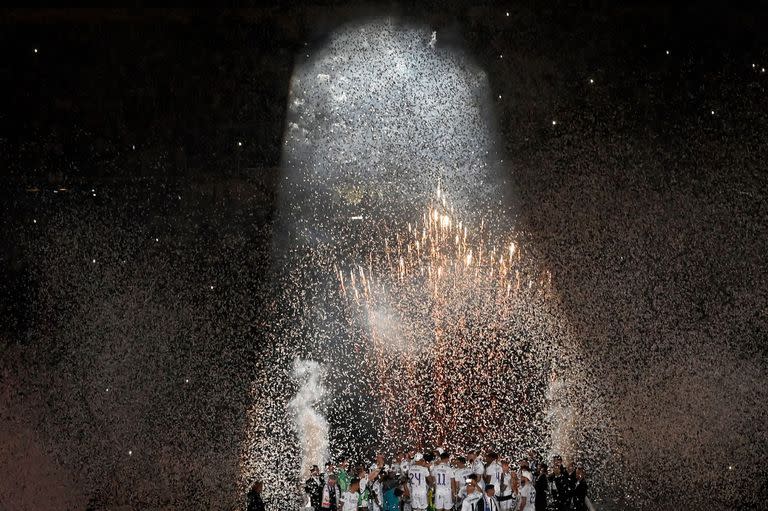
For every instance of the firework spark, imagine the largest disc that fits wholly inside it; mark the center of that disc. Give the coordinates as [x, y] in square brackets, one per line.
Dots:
[441, 305]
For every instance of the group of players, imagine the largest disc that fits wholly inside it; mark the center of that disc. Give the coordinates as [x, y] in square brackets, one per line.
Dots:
[435, 481]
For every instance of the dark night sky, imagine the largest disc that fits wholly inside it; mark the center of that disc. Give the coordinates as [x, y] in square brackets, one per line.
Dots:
[647, 201]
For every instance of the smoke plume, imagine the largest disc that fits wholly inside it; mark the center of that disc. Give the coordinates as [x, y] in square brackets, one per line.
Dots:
[311, 426]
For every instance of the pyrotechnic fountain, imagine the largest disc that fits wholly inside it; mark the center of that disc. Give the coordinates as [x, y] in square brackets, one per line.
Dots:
[440, 304]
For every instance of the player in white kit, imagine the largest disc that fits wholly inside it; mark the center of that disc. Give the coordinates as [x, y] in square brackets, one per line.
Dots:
[478, 467]
[461, 470]
[473, 494]
[445, 485]
[527, 500]
[351, 497]
[418, 483]
[509, 486]
[493, 470]
[461, 473]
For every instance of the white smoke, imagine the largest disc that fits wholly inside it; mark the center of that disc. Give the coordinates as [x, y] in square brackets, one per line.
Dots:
[310, 424]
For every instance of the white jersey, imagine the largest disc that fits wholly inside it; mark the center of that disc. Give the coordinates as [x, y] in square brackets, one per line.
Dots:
[469, 502]
[478, 468]
[461, 475]
[529, 492]
[443, 475]
[494, 471]
[349, 501]
[417, 480]
[506, 481]
[378, 491]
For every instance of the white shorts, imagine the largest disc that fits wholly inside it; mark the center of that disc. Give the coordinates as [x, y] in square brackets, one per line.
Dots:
[419, 501]
[443, 500]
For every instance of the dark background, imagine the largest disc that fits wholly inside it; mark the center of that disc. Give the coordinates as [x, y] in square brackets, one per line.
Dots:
[649, 210]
